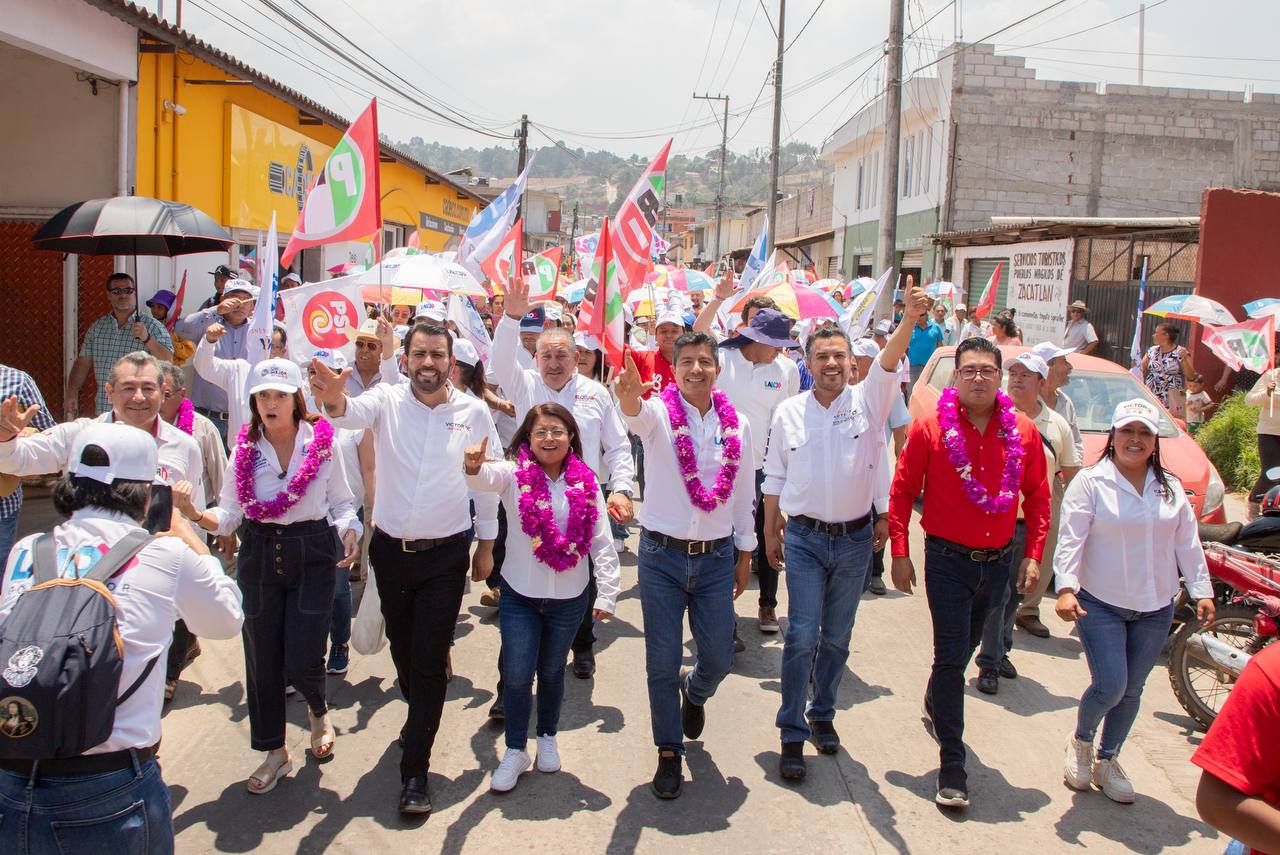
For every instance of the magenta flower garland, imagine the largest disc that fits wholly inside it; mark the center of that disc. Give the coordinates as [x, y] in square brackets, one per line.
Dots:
[958, 453]
[686, 455]
[186, 419]
[247, 454]
[558, 550]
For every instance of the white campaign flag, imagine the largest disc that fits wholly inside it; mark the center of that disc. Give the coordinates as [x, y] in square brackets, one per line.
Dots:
[264, 313]
[323, 316]
[463, 313]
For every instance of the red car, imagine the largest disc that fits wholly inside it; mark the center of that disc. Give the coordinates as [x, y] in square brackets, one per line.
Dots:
[1096, 387]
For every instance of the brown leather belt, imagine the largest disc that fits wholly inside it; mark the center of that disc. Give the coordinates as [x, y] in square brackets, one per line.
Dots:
[85, 764]
[979, 556]
[688, 547]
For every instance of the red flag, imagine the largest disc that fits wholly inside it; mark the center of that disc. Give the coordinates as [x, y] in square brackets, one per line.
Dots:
[506, 257]
[1251, 344]
[175, 311]
[604, 296]
[633, 226]
[988, 301]
[345, 200]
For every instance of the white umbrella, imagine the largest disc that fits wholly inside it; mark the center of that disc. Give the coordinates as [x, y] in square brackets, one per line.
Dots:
[436, 274]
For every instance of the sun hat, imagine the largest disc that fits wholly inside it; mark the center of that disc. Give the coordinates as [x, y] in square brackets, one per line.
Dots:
[767, 327]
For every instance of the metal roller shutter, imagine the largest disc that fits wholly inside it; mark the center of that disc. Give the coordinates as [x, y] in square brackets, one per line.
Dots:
[913, 258]
[980, 270]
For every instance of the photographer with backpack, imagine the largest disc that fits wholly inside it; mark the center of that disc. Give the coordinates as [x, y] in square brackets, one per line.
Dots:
[86, 613]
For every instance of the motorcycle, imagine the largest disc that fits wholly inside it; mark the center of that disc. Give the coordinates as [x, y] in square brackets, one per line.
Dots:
[1206, 661]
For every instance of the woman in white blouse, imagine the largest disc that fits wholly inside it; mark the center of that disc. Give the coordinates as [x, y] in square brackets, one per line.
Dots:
[285, 481]
[1126, 537]
[542, 604]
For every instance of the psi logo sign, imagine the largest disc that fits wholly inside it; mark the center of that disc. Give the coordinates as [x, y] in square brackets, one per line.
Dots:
[329, 319]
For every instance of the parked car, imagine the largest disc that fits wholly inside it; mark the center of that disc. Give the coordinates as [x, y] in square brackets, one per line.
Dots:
[1096, 387]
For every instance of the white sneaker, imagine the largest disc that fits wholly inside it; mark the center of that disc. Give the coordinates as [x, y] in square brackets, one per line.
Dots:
[1077, 769]
[1111, 779]
[548, 754]
[514, 763]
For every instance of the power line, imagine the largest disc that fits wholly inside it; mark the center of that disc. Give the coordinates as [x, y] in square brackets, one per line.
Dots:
[1086, 29]
[804, 26]
[989, 36]
[1248, 77]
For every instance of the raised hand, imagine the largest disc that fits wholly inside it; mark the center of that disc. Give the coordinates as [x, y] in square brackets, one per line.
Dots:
[387, 335]
[329, 387]
[517, 302]
[629, 387]
[229, 305]
[182, 493]
[918, 302]
[725, 288]
[214, 332]
[474, 456]
[13, 418]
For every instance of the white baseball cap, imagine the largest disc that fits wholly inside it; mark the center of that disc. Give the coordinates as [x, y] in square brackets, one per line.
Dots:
[587, 341]
[1048, 351]
[961, 307]
[1032, 361]
[866, 347]
[291, 276]
[242, 285]
[552, 311]
[1136, 410]
[670, 318]
[432, 309]
[131, 453]
[465, 352]
[335, 359]
[884, 327]
[280, 375]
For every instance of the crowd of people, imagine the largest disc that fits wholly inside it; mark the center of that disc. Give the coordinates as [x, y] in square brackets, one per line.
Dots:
[759, 445]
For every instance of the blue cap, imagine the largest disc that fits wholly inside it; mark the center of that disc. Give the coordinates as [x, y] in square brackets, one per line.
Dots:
[533, 321]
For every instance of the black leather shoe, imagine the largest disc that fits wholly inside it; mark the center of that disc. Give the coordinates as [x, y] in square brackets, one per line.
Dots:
[876, 586]
[738, 644]
[791, 764]
[825, 737]
[413, 796]
[668, 781]
[584, 664]
[497, 712]
[988, 681]
[1007, 670]
[693, 717]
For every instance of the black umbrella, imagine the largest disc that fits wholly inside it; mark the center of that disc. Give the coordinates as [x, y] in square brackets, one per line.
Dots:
[131, 225]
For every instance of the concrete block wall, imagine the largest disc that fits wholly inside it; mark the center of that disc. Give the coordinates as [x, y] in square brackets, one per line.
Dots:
[1028, 146]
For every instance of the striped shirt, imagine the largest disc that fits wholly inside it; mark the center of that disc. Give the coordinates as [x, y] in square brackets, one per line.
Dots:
[14, 382]
[106, 341]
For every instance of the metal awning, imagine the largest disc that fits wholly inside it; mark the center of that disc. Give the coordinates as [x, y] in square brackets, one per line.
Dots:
[1006, 230]
[801, 240]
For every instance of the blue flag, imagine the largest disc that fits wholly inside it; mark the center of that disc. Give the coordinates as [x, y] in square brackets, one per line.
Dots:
[755, 261]
[1135, 349]
[490, 224]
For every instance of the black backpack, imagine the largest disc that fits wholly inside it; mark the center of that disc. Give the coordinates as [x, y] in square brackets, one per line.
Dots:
[61, 655]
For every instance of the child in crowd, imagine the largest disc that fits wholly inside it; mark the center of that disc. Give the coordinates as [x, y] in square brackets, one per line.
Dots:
[1200, 406]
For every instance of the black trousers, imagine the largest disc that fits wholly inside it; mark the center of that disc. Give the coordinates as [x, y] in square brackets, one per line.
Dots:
[499, 550]
[421, 596]
[286, 575]
[1269, 454]
[766, 574]
[183, 641]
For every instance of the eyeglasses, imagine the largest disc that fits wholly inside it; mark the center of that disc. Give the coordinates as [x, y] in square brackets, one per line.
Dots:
[368, 345]
[986, 372]
[549, 433]
[120, 292]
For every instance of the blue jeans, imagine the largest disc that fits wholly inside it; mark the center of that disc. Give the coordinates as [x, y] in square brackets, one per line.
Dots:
[997, 634]
[126, 812]
[1121, 647]
[536, 634]
[670, 583]
[825, 576]
[961, 592]
[8, 534]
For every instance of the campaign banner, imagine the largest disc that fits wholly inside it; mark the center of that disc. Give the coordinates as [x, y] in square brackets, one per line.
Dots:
[325, 315]
[1039, 284]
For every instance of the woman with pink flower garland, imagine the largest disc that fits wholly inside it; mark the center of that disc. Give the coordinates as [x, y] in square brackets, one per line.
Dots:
[554, 496]
[286, 478]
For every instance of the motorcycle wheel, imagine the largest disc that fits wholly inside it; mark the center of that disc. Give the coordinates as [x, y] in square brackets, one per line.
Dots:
[1201, 689]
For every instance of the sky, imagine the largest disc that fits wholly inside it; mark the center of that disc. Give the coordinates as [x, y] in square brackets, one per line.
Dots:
[619, 75]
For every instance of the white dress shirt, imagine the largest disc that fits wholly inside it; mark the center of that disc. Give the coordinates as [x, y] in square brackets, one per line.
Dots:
[829, 462]
[178, 457]
[349, 441]
[971, 329]
[328, 496]
[605, 447]
[755, 390]
[666, 507]
[529, 576]
[230, 375]
[1079, 333]
[213, 454]
[164, 583]
[1125, 549]
[421, 489]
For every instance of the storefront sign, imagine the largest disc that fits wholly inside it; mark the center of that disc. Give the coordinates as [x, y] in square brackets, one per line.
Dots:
[1039, 281]
[269, 168]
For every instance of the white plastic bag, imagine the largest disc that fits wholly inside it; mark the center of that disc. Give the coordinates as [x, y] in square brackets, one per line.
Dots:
[368, 632]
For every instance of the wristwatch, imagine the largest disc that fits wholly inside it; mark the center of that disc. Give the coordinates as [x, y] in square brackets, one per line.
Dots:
[626, 493]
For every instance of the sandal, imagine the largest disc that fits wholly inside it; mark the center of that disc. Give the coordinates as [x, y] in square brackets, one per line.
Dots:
[322, 741]
[448, 667]
[268, 775]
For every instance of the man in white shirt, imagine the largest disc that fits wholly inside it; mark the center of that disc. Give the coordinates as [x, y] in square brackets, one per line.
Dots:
[422, 524]
[826, 465]
[692, 452]
[967, 328]
[134, 391]
[758, 376]
[1080, 335]
[1027, 375]
[605, 446]
[106, 492]
[367, 371]
[949, 326]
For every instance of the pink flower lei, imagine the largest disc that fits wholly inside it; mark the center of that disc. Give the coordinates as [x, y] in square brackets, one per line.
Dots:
[247, 455]
[558, 550]
[687, 457]
[958, 453]
[186, 418]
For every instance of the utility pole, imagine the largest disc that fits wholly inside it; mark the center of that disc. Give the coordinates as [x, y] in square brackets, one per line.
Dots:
[523, 136]
[573, 234]
[886, 245]
[724, 144]
[1142, 35]
[775, 155]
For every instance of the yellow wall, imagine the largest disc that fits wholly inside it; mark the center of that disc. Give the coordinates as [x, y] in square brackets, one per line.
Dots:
[185, 158]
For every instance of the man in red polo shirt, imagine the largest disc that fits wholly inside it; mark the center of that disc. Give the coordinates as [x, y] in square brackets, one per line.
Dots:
[971, 458]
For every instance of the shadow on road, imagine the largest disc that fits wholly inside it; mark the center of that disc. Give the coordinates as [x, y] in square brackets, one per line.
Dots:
[992, 798]
[1148, 826]
[537, 797]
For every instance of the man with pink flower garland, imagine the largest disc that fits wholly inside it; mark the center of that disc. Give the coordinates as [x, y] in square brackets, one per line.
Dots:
[697, 515]
[970, 460]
